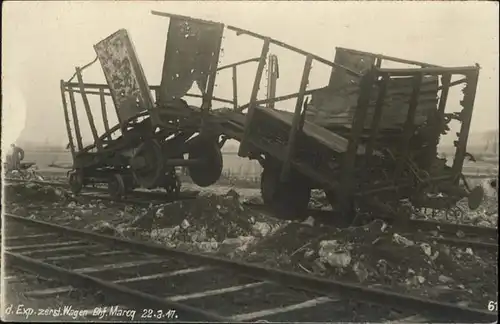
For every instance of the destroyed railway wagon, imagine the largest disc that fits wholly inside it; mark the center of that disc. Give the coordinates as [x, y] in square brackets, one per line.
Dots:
[156, 128]
[368, 138]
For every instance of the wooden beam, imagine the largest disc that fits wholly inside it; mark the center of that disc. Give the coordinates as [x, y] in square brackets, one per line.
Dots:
[428, 71]
[294, 49]
[66, 119]
[280, 98]
[466, 116]
[375, 124]
[452, 84]
[92, 92]
[389, 58]
[443, 98]
[206, 104]
[243, 149]
[235, 87]
[347, 181]
[104, 113]
[87, 109]
[76, 122]
[408, 126]
[297, 116]
[99, 86]
[232, 65]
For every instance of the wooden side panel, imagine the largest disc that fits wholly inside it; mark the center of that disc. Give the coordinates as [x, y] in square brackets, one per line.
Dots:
[332, 107]
[335, 104]
[124, 75]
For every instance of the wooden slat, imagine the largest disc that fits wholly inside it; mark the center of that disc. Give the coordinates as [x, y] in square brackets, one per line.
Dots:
[375, 121]
[290, 148]
[104, 113]
[468, 107]
[243, 149]
[235, 87]
[349, 158]
[408, 127]
[66, 119]
[337, 108]
[86, 105]
[76, 123]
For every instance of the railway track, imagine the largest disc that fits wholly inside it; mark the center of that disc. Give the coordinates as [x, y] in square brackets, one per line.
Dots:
[460, 235]
[155, 282]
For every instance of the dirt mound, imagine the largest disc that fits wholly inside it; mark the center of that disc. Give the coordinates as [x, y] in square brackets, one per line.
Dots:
[211, 223]
[375, 254]
[33, 192]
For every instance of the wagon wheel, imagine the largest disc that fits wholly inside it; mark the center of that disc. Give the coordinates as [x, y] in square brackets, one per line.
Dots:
[129, 183]
[208, 172]
[345, 217]
[116, 186]
[148, 164]
[76, 181]
[475, 198]
[172, 184]
[289, 199]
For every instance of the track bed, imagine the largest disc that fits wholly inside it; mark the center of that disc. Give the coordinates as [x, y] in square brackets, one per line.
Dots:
[182, 286]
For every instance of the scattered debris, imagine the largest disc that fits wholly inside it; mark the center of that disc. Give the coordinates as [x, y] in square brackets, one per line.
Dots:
[373, 254]
[445, 279]
[402, 240]
[334, 254]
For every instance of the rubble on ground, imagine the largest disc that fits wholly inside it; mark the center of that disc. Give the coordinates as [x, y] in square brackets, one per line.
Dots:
[377, 255]
[213, 222]
[374, 254]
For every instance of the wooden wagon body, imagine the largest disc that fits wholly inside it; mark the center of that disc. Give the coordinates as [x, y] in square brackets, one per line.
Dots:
[369, 136]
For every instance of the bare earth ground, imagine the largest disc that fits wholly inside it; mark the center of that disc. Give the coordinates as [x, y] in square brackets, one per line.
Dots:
[218, 223]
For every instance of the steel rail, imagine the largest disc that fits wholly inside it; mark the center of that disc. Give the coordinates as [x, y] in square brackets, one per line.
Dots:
[123, 294]
[298, 281]
[453, 228]
[492, 247]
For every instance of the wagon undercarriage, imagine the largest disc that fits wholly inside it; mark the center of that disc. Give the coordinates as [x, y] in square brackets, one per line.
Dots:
[368, 139]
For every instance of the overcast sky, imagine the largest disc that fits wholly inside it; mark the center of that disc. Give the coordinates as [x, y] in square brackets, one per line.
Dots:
[42, 42]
